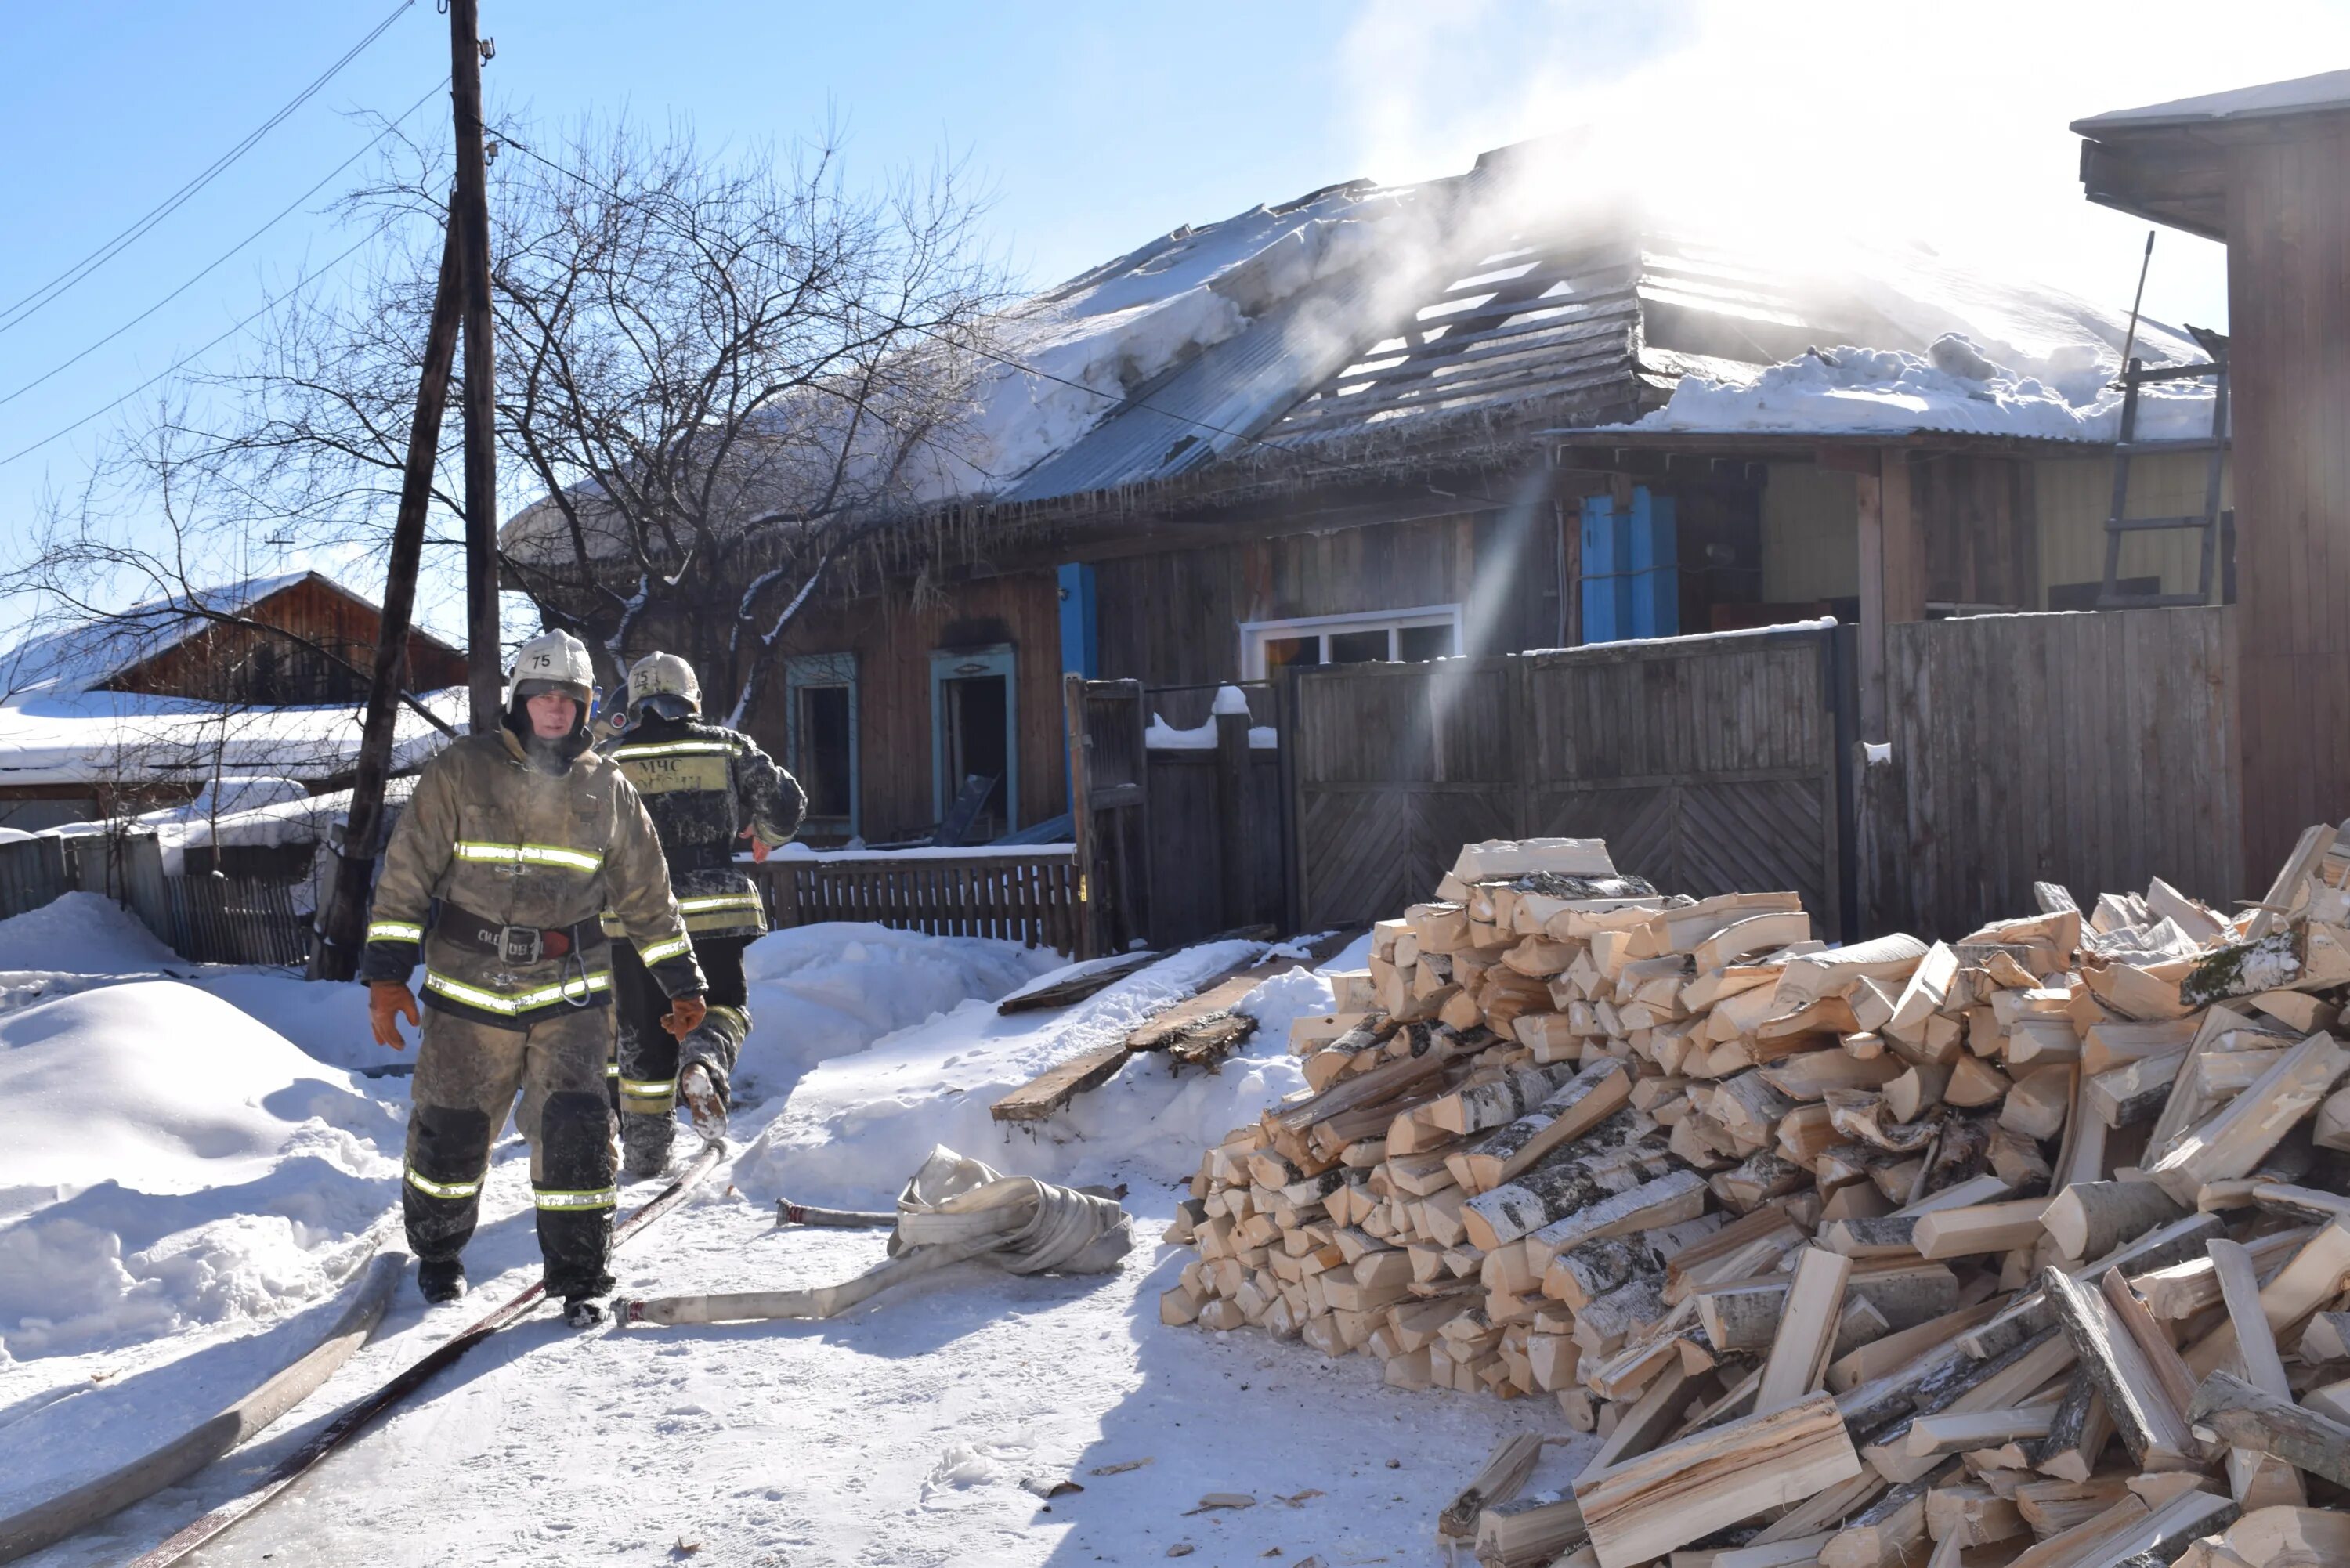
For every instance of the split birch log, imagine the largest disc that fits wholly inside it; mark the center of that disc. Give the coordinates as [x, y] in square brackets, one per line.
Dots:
[1923, 994]
[2243, 1415]
[1501, 1477]
[1806, 1330]
[1573, 1108]
[2077, 1432]
[2291, 1538]
[2142, 1416]
[1565, 1184]
[1591, 1269]
[1980, 1228]
[1667, 1201]
[1815, 975]
[1889, 1532]
[1498, 1103]
[2257, 1480]
[1526, 1534]
[2284, 893]
[2090, 1219]
[2166, 1533]
[1643, 1508]
[1933, 1436]
[2233, 1140]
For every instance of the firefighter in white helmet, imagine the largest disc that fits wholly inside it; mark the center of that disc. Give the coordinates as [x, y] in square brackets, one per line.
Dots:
[513, 847]
[707, 788]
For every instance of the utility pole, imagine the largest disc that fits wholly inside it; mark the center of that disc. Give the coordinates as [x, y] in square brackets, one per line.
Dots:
[468, 216]
[335, 955]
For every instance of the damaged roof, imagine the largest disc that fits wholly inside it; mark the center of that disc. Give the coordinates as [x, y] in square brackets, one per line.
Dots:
[1465, 310]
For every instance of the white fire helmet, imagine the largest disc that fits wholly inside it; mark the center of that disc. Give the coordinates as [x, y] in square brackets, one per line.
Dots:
[666, 683]
[554, 661]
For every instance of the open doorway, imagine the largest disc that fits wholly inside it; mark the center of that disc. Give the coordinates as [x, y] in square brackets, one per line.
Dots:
[821, 728]
[975, 736]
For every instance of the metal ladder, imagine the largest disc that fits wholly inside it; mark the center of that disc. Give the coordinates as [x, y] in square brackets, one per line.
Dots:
[2213, 521]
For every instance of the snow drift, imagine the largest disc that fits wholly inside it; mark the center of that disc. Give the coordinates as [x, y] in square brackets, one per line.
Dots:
[857, 1126]
[81, 934]
[170, 1162]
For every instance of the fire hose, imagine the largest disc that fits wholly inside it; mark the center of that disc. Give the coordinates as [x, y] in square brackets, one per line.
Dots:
[954, 1210]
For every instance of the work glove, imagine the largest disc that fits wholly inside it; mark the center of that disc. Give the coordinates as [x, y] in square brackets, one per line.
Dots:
[684, 1015]
[388, 1000]
[760, 848]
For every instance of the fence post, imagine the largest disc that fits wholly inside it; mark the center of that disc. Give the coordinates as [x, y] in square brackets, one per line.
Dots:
[1081, 813]
[1235, 831]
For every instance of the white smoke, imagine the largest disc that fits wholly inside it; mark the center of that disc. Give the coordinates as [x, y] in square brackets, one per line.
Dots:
[1945, 125]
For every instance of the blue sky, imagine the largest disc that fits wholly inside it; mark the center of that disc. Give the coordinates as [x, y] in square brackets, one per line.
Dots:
[1097, 126]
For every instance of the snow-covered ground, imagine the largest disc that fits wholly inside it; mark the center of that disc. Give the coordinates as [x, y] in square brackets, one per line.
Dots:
[191, 1171]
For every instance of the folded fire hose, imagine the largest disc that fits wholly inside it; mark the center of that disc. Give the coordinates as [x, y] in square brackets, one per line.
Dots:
[953, 1208]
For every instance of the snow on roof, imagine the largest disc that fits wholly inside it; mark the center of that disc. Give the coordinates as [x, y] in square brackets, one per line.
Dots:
[1363, 310]
[114, 737]
[1952, 388]
[80, 656]
[2327, 92]
[58, 726]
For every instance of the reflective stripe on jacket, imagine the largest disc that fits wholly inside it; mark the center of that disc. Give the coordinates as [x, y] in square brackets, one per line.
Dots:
[704, 785]
[488, 834]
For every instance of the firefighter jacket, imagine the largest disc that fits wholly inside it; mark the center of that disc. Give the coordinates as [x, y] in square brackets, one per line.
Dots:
[497, 876]
[703, 786]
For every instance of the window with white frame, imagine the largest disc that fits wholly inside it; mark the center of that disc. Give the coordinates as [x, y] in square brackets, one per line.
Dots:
[1374, 636]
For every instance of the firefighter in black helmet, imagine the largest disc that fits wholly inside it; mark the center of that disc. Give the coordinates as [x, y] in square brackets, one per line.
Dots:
[707, 788]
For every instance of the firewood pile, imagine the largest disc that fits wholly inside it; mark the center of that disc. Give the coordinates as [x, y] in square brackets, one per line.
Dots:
[2029, 1246]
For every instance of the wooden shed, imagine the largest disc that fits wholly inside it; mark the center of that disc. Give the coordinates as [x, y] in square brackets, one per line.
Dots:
[2260, 169]
[142, 710]
[287, 642]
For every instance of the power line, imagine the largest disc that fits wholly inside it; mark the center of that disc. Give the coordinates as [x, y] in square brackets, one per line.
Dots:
[14, 315]
[1122, 400]
[186, 360]
[226, 254]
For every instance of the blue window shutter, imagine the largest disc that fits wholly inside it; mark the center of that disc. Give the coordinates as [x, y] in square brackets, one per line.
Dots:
[1653, 569]
[1603, 555]
[1631, 569]
[1080, 630]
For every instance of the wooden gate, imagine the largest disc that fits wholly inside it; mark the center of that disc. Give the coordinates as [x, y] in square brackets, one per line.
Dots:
[2096, 751]
[1219, 814]
[1709, 764]
[1109, 810]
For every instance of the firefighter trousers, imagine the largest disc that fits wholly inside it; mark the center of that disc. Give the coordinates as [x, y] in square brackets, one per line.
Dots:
[467, 1074]
[646, 1058]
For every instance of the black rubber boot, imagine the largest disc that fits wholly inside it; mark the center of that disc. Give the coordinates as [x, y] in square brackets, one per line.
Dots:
[644, 1144]
[441, 1281]
[582, 1312]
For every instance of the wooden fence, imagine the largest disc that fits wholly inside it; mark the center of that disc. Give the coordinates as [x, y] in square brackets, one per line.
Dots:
[235, 919]
[1030, 897]
[2097, 750]
[32, 873]
[1218, 842]
[1711, 765]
